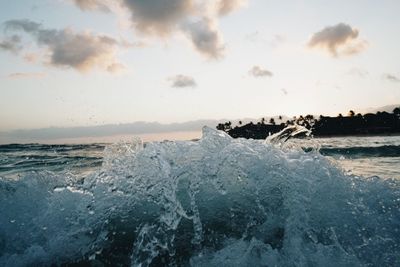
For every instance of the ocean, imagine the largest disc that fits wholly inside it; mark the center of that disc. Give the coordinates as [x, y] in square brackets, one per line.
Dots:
[217, 201]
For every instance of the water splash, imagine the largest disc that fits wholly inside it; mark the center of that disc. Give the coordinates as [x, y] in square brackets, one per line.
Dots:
[288, 133]
[214, 202]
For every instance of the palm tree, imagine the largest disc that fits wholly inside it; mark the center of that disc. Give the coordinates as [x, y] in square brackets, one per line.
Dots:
[272, 121]
[300, 120]
[309, 121]
[228, 125]
[221, 127]
[309, 117]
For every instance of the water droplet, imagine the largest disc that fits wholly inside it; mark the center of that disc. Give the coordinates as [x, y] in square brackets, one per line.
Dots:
[58, 189]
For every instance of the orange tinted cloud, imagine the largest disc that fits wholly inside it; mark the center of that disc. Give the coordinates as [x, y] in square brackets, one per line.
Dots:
[224, 7]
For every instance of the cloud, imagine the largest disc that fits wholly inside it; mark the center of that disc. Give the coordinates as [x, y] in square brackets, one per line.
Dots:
[126, 44]
[196, 19]
[181, 81]
[162, 18]
[158, 17]
[205, 38]
[81, 51]
[11, 44]
[391, 77]
[31, 57]
[93, 5]
[116, 68]
[257, 71]
[355, 48]
[24, 75]
[340, 39]
[226, 7]
[22, 24]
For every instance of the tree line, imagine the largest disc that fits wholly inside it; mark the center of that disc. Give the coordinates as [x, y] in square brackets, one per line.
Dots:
[379, 123]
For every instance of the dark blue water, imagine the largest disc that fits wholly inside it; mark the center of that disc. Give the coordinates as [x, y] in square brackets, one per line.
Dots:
[17, 159]
[366, 156]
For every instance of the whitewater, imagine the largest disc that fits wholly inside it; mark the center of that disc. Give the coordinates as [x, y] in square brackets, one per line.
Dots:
[217, 201]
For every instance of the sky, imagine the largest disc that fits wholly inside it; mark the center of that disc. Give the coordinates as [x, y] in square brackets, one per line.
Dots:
[69, 63]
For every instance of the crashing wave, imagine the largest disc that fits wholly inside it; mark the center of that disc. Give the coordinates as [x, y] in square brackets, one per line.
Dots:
[291, 131]
[214, 202]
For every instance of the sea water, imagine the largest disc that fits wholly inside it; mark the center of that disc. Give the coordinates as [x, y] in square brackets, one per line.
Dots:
[217, 201]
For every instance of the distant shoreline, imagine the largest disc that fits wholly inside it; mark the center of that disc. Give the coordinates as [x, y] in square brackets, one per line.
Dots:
[110, 139]
[357, 125]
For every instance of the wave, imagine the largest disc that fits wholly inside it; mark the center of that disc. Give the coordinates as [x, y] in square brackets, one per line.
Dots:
[16, 159]
[363, 152]
[45, 147]
[214, 202]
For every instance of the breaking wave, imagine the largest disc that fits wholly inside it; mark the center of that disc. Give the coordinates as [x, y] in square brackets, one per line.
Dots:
[214, 202]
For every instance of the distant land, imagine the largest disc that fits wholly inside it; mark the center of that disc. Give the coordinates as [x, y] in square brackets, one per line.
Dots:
[148, 131]
[388, 108]
[379, 123]
[108, 132]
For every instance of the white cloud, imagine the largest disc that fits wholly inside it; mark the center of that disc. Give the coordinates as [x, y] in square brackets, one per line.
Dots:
[391, 77]
[257, 71]
[340, 39]
[181, 81]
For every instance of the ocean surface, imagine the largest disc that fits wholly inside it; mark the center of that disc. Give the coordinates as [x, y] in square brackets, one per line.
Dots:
[217, 201]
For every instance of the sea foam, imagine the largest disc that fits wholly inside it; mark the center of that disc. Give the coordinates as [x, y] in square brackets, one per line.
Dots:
[214, 202]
